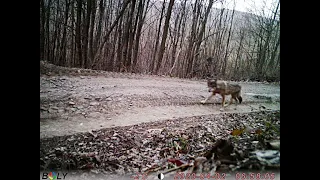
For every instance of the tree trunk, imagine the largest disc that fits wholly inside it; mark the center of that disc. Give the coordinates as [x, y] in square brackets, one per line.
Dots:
[201, 33]
[62, 59]
[130, 34]
[141, 16]
[164, 36]
[189, 56]
[48, 31]
[42, 30]
[86, 34]
[92, 23]
[106, 37]
[153, 62]
[99, 28]
[239, 52]
[56, 36]
[227, 48]
[78, 33]
[72, 62]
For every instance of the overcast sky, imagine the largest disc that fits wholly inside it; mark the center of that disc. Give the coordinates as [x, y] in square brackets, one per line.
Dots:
[249, 5]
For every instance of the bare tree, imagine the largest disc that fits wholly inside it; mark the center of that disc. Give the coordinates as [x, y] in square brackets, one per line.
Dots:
[92, 23]
[78, 32]
[224, 66]
[106, 37]
[192, 37]
[152, 67]
[164, 36]
[141, 15]
[42, 29]
[183, 39]
[62, 58]
[201, 33]
[177, 36]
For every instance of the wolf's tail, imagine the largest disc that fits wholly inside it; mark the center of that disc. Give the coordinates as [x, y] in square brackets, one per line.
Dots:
[239, 98]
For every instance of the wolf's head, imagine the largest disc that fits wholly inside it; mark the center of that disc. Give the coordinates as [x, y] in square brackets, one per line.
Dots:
[212, 83]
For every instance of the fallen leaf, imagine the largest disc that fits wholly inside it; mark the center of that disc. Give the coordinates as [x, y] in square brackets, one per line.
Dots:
[237, 132]
[258, 131]
[177, 162]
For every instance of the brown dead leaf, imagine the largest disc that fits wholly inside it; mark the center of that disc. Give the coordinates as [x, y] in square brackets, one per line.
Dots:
[258, 131]
[177, 162]
[237, 132]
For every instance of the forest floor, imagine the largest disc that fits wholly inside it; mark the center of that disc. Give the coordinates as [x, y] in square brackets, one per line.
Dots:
[75, 102]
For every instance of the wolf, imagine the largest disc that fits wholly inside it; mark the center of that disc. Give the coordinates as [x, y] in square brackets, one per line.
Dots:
[224, 88]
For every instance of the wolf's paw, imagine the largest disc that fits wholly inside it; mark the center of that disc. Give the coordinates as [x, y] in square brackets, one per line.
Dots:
[203, 102]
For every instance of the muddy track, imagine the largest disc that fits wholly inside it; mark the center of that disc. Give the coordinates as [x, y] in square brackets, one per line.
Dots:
[74, 100]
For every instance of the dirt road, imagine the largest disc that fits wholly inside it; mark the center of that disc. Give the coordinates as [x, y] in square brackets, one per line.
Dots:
[71, 104]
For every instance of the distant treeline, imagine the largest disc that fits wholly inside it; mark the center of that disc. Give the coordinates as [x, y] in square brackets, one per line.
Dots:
[177, 38]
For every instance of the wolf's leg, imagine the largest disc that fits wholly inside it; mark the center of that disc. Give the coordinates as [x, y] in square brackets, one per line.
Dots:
[223, 100]
[204, 101]
[231, 101]
[236, 103]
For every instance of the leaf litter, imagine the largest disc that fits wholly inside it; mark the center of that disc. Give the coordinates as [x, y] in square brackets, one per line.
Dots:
[227, 142]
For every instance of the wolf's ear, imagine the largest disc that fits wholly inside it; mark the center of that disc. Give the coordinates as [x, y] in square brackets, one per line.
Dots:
[214, 79]
[209, 77]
